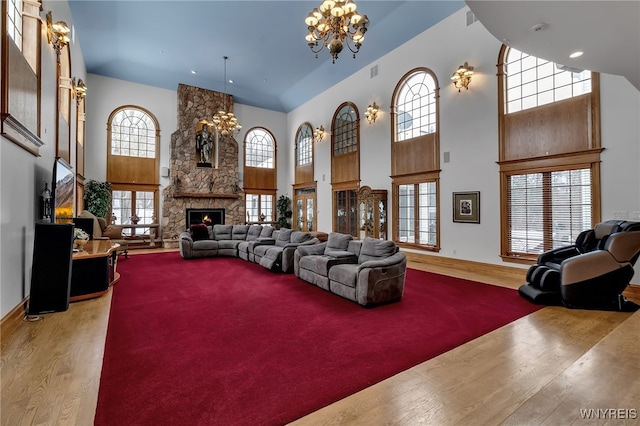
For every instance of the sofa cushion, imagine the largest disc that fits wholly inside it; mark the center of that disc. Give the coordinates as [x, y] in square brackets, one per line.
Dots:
[102, 222]
[228, 244]
[254, 232]
[113, 232]
[300, 237]
[222, 232]
[373, 249]
[337, 242]
[267, 231]
[199, 232]
[346, 274]
[284, 237]
[239, 232]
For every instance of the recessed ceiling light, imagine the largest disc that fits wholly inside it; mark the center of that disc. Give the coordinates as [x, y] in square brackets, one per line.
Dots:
[230, 81]
[576, 54]
[194, 72]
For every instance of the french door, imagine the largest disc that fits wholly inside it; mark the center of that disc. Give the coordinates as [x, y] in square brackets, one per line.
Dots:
[305, 209]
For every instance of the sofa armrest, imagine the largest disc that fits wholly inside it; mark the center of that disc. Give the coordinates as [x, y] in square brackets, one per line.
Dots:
[315, 249]
[312, 242]
[264, 242]
[384, 262]
[186, 245]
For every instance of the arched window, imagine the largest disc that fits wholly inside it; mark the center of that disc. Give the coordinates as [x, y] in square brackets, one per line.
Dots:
[549, 153]
[259, 149]
[260, 176]
[133, 134]
[133, 140]
[304, 188]
[415, 163]
[304, 145]
[345, 168]
[415, 106]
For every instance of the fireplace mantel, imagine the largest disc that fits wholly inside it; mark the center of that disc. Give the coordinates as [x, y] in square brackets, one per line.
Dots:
[203, 195]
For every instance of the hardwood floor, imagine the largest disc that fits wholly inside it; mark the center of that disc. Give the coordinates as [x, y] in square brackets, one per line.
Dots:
[540, 369]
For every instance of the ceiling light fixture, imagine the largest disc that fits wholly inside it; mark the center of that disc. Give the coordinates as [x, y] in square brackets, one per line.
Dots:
[336, 22]
[576, 54]
[226, 122]
[462, 77]
[57, 33]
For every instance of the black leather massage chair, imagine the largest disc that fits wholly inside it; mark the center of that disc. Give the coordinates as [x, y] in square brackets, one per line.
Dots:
[590, 274]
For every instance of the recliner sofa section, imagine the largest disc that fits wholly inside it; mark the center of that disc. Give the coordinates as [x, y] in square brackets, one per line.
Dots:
[369, 272]
[271, 248]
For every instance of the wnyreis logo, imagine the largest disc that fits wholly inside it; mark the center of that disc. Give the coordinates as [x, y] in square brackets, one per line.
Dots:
[609, 413]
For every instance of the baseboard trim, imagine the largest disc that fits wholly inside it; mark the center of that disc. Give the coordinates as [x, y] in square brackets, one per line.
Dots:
[506, 276]
[10, 321]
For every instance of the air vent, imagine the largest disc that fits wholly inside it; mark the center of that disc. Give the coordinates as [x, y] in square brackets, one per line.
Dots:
[471, 18]
[373, 71]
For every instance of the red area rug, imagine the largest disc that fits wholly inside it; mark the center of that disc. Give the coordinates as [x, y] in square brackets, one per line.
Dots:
[221, 341]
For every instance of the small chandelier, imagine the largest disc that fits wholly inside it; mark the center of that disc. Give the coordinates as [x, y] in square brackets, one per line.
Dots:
[335, 22]
[462, 77]
[226, 122]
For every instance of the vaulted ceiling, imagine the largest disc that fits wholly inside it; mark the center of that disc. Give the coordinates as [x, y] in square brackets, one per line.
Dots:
[160, 42]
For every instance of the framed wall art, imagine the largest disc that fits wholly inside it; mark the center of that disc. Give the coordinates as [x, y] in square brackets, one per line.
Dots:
[466, 207]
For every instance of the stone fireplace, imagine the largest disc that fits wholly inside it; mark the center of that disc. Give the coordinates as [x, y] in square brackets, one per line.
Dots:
[200, 188]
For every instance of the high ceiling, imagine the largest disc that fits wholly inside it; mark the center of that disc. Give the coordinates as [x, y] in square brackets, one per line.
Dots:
[159, 43]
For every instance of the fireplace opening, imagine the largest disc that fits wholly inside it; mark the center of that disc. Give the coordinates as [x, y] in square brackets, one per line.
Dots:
[209, 217]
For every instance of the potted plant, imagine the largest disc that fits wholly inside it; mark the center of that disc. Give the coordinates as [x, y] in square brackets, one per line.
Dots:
[97, 198]
[284, 211]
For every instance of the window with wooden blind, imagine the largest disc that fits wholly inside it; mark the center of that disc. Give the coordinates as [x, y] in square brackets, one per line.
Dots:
[259, 207]
[549, 154]
[547, 209]
[418, 214]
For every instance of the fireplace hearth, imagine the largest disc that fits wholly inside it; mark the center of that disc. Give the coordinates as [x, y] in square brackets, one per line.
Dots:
[209, 217]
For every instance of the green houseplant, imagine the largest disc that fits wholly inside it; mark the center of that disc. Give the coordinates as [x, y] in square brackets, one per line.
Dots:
[284, 211]
[97, 197]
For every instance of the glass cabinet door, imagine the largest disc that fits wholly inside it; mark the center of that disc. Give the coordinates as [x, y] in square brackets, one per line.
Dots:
[372, 213]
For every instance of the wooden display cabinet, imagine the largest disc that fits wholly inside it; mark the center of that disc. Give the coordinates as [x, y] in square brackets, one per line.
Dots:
[372, 213]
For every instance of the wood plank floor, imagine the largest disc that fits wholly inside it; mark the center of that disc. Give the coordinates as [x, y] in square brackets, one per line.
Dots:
[540, 369]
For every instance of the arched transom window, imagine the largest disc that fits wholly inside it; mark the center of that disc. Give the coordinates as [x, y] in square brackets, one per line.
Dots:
[345, 130]
[260, 148]
[133, 134]
[533, 82]
[304, 145]
[416, 106]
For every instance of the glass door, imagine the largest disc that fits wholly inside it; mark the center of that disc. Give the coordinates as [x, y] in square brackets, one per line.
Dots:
[305, 213]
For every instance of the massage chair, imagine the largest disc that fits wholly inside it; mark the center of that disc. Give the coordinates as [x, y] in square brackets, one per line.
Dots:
[590, 274]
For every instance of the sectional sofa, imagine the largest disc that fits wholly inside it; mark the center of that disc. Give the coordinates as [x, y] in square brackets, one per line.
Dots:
[269, 247]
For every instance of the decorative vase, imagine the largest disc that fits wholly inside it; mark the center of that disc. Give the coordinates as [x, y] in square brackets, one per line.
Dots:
[134, 219]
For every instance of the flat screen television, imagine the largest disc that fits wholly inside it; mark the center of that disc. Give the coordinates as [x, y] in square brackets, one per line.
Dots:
[63, 185]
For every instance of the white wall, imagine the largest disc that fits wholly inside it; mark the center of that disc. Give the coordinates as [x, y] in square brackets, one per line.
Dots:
[22, 175]
[468, 123]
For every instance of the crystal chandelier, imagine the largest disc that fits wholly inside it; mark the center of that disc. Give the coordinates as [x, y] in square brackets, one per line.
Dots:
[226, 122]
[336, 22]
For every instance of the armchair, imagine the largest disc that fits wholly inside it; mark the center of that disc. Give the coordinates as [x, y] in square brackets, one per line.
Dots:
[589, 274]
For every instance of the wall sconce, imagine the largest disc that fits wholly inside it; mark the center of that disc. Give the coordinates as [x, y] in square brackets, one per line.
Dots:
[318, 134]
[372, 113]
[78, 91]
[462, 77]
[57, 33]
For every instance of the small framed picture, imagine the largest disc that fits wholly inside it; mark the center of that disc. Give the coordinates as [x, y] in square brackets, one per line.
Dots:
[466, 207]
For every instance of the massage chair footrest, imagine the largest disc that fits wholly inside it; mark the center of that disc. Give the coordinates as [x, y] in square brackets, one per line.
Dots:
[539, 296]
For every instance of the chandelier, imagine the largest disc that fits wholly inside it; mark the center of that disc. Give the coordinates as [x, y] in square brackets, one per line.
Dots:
[226, 122]
[336, 22]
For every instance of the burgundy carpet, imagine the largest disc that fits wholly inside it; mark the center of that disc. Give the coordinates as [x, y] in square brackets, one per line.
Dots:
[221, 341]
